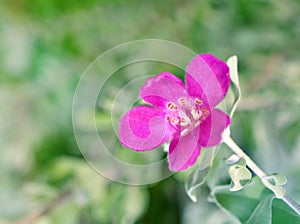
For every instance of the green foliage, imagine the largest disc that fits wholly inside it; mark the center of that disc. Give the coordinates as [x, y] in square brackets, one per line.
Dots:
[254, 204]
[282, 213]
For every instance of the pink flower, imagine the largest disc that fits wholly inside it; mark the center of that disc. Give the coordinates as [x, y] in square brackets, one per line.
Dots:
[186, 115]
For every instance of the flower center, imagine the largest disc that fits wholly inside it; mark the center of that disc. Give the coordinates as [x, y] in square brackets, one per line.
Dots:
[186, 114]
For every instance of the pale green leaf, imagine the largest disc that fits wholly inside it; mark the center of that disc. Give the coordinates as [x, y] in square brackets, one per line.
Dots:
[240, 176]
[274, 183]
[198, 177]
[232, 159]
[195, 181]
[232, 63]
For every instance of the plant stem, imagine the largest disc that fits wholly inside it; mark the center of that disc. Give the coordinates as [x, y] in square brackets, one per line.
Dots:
[290, 202]
[236, 149]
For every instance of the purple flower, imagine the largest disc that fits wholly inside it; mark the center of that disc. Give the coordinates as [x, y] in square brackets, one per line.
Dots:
[184, 114]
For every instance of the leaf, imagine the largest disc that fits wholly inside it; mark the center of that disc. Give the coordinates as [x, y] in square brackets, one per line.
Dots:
[274, 183]
[282, 213]
[198, 177]
[233, 159]
[195, 181]
[218, 173]
[243, 203]
[263, 212]
[232, 64]
[240, 176]
[252, 204]
[238, 172]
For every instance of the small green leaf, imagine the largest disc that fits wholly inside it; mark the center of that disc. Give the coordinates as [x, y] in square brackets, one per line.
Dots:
[274, 183]
[233, 159]
[280, 179]
[240, 176]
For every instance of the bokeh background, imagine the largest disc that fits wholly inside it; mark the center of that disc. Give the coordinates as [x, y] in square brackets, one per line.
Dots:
[45, 46]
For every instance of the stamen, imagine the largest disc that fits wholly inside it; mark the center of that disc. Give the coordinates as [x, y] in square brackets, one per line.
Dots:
[197, 123]
[184, 123]
[172, 106]
[205, 111]
[183, 102]
[198, 101]
[184, 117]
[196, 114]
[173, 121]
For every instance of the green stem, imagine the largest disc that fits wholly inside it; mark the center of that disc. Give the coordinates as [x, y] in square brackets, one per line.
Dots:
[261, 174]
[290, 202]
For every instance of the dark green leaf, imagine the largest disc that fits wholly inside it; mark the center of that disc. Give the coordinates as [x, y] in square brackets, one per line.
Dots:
[282, 213]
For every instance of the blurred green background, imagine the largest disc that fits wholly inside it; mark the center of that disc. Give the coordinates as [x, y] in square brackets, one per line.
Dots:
[45, 45]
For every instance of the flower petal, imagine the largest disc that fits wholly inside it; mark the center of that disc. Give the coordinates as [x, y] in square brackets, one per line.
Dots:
[144, 128]
[184, 151]
[163, 88]
[207, 77]
[212, 127]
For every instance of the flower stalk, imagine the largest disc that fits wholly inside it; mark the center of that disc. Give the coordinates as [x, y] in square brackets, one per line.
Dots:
[259, 172]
